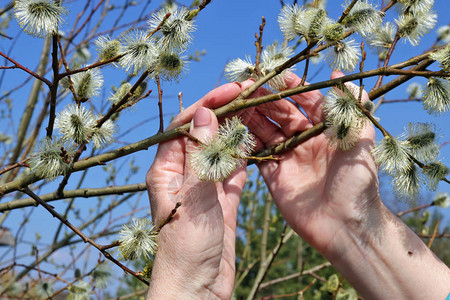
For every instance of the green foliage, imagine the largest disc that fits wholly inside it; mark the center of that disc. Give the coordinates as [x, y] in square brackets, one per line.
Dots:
[293, 257]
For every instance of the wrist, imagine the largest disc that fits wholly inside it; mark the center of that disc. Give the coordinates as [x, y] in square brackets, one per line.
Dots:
[175, 278]
[186, 263]
[383, 258]
[360, 226]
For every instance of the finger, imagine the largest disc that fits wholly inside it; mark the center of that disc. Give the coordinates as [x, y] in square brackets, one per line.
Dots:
[199, 196]
[168, 173]
[351, 86]
[283, 112]
[214, 99]
[165, 177]
[311, 101]
[265, 130]
[290, 119]
[229, 193]
[169, 158]
[203, 125]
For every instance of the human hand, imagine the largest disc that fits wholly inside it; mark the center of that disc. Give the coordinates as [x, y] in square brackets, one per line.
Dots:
[196, 255]
[317, 188]
[330, 198]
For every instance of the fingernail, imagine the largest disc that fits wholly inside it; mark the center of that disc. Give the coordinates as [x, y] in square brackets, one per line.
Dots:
[238, 83]
[202, 117]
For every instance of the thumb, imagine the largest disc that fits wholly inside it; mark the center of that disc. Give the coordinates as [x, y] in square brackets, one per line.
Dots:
[204, 124]
[336, 74]
[351, 86]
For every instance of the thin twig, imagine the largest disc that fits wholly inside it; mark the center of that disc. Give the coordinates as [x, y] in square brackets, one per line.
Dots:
[160, 106]
[296, 275]
[93, 66]
[265, 227]
[258, 159]
[389, 5]
[402, 100]
[19, 66]
[440, 235]
[133, 102]
[361, 69]
[180, 99]
[124, 100]
[259, 47]
[386, 60]
[193, 13]
[305, 72]
[36, 252]
[112, 245]
[159, 25]
[66, 67]
[291, 294]
[66, 241]
[203, 4]
[53, 87]
[433, 236]
[413, 209]
[22, 163]
[30, 193]
[15, 264]
[291, 142]
[347, 11]
[191, 137]
[170, 217]
[262, 272]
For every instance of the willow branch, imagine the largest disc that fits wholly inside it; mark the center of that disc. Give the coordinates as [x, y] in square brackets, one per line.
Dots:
[389, 5]
[31, 104]
[386, 60]
[160, 106]
[374, 94]
[124, 100]
[440, 235]
[95, 65]
[15, 264]
[433, 236]
[21, 163]
[296, 275]
[347, 11]
[265, 232]
[159, 25]
[66, 241]
[259, 47]
[402, 100]
[53, 87]
[270, 258]
[50, 209]
[80, 234]
[234, 106]
[73, 33]
[193, 13]
[203, 4]
[19, 66]
[114, 108]
[66, 67]
[291, 142]
[170, 217]
[78, 193]
[399, 214]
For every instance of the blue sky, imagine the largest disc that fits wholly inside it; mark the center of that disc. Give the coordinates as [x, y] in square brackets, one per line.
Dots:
[225, 30]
